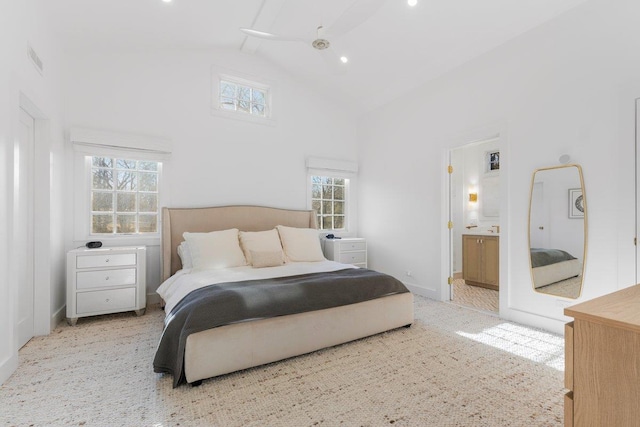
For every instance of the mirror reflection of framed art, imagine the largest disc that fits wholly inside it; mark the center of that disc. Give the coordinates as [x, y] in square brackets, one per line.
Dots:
[576, 203]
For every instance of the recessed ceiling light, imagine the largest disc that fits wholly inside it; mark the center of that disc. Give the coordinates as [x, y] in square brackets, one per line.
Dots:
[167, 1]
[344, 59]
[412, 2]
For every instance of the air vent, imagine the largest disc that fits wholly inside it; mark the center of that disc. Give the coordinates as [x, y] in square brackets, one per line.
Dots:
[35, 59]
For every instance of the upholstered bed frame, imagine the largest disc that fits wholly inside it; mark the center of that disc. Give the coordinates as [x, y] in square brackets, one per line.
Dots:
[243, 345]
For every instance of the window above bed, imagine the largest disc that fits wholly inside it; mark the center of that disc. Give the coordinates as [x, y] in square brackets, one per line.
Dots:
[243, 98]
[240, 97]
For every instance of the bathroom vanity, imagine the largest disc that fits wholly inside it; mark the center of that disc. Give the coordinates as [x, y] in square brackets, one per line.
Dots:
[481, 260]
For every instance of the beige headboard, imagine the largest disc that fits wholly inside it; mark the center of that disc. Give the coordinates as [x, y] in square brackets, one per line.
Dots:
[176, 221]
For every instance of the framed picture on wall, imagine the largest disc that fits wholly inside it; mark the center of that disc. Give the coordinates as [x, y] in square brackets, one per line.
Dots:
[576, 203]
[492, 162]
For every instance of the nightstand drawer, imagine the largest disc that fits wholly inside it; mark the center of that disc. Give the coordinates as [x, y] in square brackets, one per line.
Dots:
[113, 260]
[105, 278]
[111, 300]
[353, 246]
[353, 257]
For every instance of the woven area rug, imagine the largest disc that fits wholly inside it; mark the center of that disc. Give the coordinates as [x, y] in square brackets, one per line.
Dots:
[569, 288]
[453, 367]
[475, 296]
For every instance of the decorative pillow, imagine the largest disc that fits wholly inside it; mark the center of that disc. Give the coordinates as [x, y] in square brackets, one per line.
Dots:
[217, 249]
[267, 258]
[185, 255]
[300, 244]
[259, 241]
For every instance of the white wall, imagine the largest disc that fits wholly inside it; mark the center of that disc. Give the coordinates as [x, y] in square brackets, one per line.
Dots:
[565, 87]
[215, 160]
[21, 84]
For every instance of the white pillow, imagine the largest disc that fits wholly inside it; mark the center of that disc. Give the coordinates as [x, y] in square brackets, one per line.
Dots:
[185, 255]
[300, 244]
[217, 249]
[259, 241]
[267, 258]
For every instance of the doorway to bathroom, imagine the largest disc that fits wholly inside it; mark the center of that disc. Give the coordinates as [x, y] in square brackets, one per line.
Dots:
[474, 212]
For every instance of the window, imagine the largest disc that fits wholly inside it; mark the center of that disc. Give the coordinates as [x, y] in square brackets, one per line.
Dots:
[328, 199]
[244, 97]
[124, 196]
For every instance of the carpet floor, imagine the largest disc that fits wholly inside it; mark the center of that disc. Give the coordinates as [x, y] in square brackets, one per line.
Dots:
[453, 367]
[475, 296]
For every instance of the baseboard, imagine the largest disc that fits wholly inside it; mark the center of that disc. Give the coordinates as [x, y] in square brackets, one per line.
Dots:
[58, 316]
[8, 367]
[423, 291]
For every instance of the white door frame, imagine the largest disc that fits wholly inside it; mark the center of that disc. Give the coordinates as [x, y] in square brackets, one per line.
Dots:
[23, 227]
[637, 186]
[497, 131]
[43, 321]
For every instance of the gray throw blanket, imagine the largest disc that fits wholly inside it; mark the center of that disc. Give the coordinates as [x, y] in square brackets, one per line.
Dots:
[541, 257]
[227, 303]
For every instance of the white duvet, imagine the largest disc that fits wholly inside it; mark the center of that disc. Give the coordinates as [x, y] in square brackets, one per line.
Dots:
[184, 281]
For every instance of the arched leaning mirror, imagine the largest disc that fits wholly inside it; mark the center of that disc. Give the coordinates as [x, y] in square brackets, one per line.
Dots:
[558, 230]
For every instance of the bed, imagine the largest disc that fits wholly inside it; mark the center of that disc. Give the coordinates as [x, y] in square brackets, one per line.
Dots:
[233, 344]
[553, 265]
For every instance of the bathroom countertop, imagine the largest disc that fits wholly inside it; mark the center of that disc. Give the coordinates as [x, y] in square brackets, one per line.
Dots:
[480, 233]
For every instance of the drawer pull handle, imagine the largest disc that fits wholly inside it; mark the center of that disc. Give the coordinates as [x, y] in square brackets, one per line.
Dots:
[106, 278]
[107, 300]
[106, 260]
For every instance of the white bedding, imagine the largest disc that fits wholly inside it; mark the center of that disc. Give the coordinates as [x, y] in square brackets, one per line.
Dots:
[552, 273]
[184, 281]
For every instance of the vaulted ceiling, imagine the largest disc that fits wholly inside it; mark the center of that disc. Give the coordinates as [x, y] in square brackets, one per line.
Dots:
[396, 49]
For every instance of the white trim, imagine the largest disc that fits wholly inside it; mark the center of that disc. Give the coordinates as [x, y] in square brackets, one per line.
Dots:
[117, 140]
[344, 167]
[8, 366]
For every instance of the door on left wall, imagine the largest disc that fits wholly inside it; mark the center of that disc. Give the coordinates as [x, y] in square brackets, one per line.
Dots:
[23, 248]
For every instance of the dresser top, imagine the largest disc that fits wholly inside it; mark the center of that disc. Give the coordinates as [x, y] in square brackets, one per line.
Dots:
[619, 309]
[105, 249]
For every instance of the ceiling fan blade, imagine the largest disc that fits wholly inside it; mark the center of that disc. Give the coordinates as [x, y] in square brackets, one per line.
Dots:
[356, 14]
[269, 36]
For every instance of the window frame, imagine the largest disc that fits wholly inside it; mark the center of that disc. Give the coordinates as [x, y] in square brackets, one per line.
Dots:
[269, 88]
[114, 212]
[345, 201]
[82, 195]
[251, 88]
[337, 168]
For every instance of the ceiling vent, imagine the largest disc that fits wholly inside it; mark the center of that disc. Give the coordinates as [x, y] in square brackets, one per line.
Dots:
[35, 59]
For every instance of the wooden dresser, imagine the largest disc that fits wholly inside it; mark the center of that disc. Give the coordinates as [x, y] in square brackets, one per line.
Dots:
[602, 361]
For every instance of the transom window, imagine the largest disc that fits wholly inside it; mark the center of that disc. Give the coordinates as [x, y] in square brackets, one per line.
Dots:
[124, 196]
[244, 98]
[328, 199]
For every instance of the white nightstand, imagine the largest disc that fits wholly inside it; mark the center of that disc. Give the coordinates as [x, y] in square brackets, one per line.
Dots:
[105, 280]
[349, 250]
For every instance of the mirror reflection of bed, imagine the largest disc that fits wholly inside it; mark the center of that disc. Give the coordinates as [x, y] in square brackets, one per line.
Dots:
[557, 230]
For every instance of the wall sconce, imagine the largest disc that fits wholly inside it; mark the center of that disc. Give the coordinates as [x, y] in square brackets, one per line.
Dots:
[473, 197]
